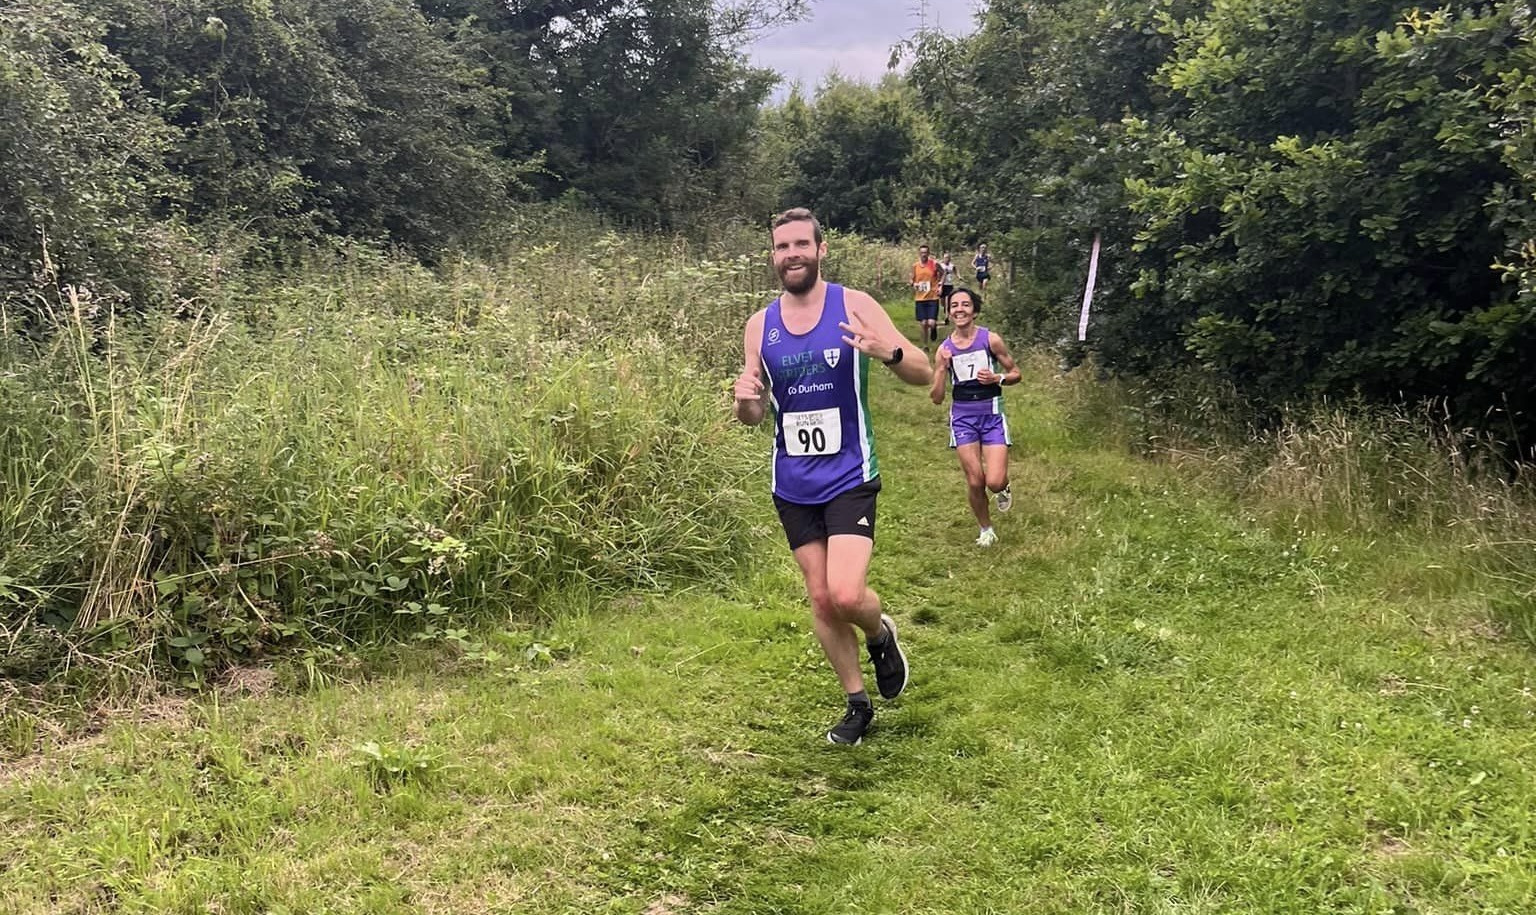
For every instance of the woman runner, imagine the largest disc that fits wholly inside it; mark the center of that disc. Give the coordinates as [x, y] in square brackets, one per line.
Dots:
[970, 358]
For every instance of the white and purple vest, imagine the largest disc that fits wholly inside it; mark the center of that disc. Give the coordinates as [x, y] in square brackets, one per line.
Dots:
[971, 397]
[823, 443]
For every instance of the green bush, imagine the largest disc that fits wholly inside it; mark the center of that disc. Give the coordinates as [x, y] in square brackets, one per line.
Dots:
[370, 452]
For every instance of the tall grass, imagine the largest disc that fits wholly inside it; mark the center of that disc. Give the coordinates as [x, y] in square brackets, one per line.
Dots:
[370, 450]
[1372, 471]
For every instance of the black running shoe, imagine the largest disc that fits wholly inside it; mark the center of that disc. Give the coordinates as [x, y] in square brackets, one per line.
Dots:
[854, 725]
[890, 663]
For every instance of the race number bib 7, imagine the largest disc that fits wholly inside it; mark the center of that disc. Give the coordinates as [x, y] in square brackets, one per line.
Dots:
[967, 365]
[813, 433]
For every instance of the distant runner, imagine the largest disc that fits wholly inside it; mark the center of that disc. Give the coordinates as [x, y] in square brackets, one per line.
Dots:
[983, 264]
[814, 346]
[947, 285]
[925, 293]
[969, 359]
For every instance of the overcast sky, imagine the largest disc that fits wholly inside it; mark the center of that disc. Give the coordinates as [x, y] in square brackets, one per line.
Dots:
[853, 37]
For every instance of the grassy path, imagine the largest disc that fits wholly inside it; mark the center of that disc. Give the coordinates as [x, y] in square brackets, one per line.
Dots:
[1138, 702]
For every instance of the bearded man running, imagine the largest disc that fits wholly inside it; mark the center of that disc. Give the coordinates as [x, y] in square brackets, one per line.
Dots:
[811, 351]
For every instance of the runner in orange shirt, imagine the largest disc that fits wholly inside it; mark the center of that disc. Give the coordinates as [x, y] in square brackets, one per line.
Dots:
[926, 277]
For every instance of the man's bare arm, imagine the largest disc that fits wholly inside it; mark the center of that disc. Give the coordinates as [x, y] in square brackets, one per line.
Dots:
[749, 384]
[872, 332]
[940, 370]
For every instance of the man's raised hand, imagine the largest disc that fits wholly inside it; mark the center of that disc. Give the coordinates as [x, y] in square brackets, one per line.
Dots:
[858, 335]
[748, 387]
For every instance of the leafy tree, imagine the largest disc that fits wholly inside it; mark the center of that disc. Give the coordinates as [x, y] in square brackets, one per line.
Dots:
[1504, 334]
[1304, 198]
[854, 163]
[80, 151]
[1317, 219]
[643, 108]
[1029, 112]
[296, 117]
[759, 183]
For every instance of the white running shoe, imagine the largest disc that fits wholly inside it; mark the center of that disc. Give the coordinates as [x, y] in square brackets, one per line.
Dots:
[1005, 499]
[987, 538]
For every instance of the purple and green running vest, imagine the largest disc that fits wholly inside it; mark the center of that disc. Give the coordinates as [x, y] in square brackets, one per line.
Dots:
[971, 397]
[823, 444]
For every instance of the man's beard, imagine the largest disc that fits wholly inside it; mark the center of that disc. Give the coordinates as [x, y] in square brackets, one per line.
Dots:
[807, 282]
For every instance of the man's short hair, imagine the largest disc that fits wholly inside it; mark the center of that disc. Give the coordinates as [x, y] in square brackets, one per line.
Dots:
[799, 214]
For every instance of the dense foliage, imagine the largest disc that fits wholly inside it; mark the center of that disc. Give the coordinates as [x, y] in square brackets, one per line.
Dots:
[368, 449]
[138, 132]
[855, 152]
[81, 149]
[867, 157]
[310, 116]
[1297, 199]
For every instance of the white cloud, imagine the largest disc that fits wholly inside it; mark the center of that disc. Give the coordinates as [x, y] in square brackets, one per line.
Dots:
[853, 37]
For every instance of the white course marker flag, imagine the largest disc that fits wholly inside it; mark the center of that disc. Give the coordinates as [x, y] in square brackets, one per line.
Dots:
[1093, 275]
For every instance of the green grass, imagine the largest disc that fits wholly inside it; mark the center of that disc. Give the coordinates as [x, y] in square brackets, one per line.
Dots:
[363, 451]
[360, 452]
[1143, 700]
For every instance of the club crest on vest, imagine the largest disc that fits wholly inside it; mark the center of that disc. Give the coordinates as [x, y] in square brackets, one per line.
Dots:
[832, 356]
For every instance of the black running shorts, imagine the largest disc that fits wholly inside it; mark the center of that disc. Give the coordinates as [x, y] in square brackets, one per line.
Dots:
[851, 512]
[926, 311]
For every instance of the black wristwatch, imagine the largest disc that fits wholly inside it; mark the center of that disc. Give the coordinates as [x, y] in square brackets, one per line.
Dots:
[895, 357]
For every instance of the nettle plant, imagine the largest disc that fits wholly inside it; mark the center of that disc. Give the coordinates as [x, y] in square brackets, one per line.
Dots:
[271, 589]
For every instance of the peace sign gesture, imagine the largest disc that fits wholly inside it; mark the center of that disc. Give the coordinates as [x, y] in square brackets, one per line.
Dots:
[859, 336]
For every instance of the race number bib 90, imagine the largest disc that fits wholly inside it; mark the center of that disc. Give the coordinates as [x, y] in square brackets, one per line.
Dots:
[813, 433]
[968, 365]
